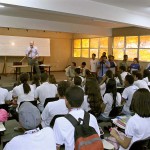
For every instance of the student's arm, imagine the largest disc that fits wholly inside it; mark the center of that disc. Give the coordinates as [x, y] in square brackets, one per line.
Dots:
[107, 64]
[123, 142]
[124, 96]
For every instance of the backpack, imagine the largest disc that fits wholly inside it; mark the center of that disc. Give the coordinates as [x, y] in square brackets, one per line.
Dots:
[86, 138]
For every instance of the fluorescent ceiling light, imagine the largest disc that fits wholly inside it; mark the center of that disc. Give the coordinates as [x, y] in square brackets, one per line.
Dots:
[2, 6]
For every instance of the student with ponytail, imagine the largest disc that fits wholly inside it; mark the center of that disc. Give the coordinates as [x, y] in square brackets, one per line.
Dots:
[111, 99]
[23, 92]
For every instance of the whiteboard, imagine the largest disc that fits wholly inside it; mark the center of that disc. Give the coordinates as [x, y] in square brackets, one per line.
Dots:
[16, 45]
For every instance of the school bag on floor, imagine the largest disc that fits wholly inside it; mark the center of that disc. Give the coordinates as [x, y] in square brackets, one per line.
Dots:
[85, 136]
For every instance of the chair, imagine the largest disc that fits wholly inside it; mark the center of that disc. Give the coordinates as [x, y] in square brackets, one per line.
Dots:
[33, 102]
[141, 145]
[54, 118]
[50, 99]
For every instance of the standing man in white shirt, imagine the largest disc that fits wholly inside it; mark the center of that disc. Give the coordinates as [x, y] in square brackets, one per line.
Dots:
[32, 56]
[93, 64]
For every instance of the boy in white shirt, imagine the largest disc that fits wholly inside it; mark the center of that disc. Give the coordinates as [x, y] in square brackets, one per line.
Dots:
[45, 90]
[138, 80]
[57, 107]
[33, 138]
[3, 95]
[128, 93]
[93, 64]
[63, 129]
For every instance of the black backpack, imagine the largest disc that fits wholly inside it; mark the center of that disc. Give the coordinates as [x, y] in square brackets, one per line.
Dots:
[86, 138]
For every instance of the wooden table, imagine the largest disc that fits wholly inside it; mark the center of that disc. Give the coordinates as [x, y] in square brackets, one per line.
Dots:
[18, 69]
[46, 66]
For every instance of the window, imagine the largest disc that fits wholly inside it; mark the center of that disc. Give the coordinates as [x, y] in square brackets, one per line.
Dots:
[144, 55]
[118, 47]
[132, 53]
[86, 47]
[132, 42]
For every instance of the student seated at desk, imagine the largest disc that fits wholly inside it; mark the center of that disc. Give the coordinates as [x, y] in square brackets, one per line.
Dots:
[137, 127]
[57, 107]
[121, 75]
[24, 91]
[128, 94]
[33, 138]
[63, 129]
[36, 81]
[45, 90]
[138, 80]
[4, 95]
[146, 76]
[111, 99]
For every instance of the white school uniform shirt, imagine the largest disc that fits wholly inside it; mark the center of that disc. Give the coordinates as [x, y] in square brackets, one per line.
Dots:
[94, 65]
[108, 101]
[33, 53]
[146, 80]
[64, 130]
[52, 109]
[102, 89]
[45, 90]
[137, 128]
[85, 105]
[127, 95]
[3, 95]
[141, 84]
[41, 140]
[123, 75]
[18, 91]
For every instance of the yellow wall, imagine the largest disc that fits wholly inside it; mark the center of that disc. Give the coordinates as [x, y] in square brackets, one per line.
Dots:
[60, 47]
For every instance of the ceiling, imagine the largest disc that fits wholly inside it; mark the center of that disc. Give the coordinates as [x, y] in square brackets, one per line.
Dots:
[139, 6]
[86, 16]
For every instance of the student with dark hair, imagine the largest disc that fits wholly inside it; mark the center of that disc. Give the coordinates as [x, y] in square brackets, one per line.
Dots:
[78, 74]
[56, 107]
[135, 66]
[45, 90]
[137, 127]
[128, 93]
[36, 81]
[121, 75]
[93, 97]
[23, 92]
[33, 138]
[63, 129]
[111, 99]
[105, 79]
[52, 79]
[146, 76]
[138, 80]
[82, 69]
[78, 81]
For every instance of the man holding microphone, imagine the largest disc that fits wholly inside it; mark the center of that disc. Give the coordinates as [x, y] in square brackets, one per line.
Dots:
[32, 56]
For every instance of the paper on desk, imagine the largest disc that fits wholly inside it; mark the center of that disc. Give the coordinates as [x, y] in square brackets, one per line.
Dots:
[2, 127]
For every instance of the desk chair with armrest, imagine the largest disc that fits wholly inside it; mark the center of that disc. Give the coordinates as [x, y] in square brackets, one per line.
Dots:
[141, 145]
[50, 99]
[33, 102]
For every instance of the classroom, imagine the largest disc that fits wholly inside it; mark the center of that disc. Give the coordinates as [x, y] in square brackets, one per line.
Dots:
[60, 59]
